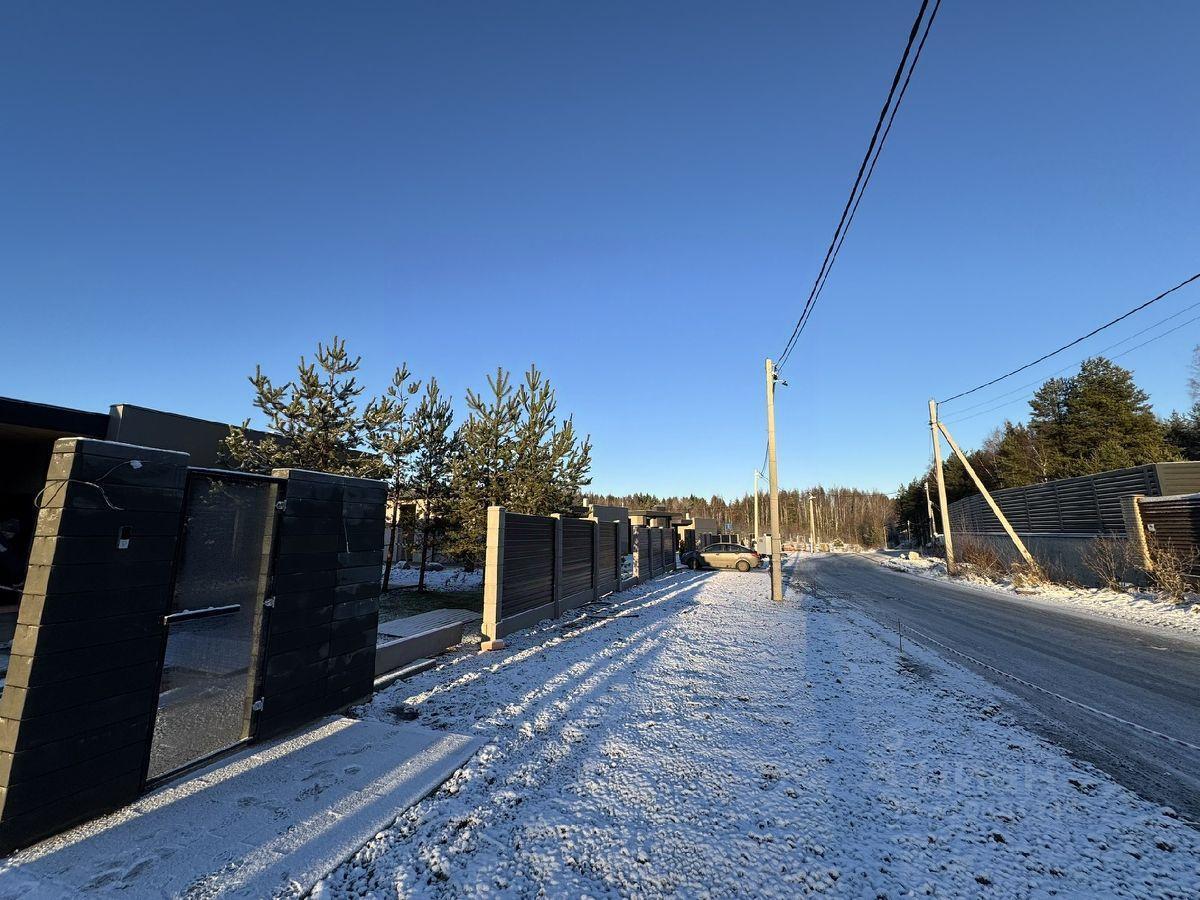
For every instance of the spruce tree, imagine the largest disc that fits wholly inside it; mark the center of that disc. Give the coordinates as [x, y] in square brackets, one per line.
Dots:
[1047, 427]
[431, 465]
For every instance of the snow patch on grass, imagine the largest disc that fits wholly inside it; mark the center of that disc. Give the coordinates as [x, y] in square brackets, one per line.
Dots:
[452, 578]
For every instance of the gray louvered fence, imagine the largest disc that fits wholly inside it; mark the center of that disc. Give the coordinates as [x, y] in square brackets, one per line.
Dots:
[1087, 505]
[1059, 521]
[1174, 523]
[538, 567]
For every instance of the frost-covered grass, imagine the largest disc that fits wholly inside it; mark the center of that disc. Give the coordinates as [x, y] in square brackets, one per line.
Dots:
[1143, 607]
[693, 738]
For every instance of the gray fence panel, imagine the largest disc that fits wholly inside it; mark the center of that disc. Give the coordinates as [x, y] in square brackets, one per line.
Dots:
[1174, 522]
[577, 562]
[528, 563]
[610, 561]
[1090, 504]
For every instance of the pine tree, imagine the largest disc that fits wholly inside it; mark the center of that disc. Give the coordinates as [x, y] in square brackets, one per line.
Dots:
[1194, 380]
[512, 451]
[480, 466]
[1047, 428]
[431, 465]
[314, 420]
[551, 462]
[1183, 429]
[1183, 432]
[390, 442]
[1108, 422]
[1021, 457]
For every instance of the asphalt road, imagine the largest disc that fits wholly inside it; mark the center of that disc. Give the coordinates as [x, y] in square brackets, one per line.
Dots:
[1137, 674]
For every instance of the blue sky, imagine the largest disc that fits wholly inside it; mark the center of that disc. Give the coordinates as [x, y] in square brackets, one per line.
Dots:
[634, 195]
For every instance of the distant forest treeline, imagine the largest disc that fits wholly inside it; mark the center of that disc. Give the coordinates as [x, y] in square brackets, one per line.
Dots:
[851, 515]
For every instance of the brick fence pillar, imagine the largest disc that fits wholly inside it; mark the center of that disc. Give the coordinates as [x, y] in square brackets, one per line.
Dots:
[78, 706]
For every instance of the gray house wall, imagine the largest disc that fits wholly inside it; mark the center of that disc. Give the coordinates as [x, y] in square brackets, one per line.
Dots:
[199, 438]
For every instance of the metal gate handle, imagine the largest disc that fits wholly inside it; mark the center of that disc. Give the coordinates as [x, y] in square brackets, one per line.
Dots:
[189, 614]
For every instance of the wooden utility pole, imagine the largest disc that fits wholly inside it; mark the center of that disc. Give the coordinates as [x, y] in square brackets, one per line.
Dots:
[773, 473]
[962, 457]
[941, 483]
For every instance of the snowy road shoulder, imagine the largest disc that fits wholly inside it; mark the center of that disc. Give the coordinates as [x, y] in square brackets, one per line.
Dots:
[704, 740]
[1140, 608]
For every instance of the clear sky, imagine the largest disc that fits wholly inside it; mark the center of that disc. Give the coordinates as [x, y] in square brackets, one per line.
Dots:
[634, 195]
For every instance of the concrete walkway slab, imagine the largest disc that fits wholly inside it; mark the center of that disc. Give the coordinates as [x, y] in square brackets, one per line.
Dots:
[270, 820]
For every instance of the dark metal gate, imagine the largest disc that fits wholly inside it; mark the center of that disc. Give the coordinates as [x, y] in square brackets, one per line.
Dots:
[214, 627]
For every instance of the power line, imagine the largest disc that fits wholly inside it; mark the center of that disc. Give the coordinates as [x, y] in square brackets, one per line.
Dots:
[1077, 340]
[860, 181]
[871, 169]
[1005, 403]
[958, 415]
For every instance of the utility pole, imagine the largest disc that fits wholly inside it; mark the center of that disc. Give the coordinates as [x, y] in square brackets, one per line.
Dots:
[951, 568]
[1012, 533]
[773, 473]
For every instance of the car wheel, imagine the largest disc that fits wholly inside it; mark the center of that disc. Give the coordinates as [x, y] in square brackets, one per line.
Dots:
[694, 564]
[743, 566]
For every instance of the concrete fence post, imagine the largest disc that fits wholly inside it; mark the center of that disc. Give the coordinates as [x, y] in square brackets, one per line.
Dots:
[1135, 530]
[558, 555]
[641, 565]
[493, 572]
[618, 559]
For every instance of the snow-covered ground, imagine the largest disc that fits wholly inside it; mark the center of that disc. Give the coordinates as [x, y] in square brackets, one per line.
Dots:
[1136, 606]
[692, 737]
[448, 579]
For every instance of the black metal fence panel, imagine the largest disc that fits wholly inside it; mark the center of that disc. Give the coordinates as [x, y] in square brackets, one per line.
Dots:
[214, 622]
